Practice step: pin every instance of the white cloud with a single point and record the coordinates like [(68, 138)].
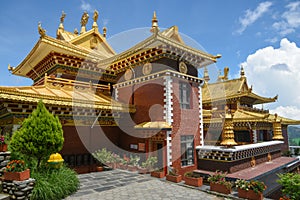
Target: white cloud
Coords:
[(290, 19), (251, 16), (274, 71), (86, 6), (287, 111)]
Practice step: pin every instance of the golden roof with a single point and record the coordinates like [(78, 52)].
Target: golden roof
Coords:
[(230, 89), (69, 43), (241, 115), (64, 92), (154, 125), (171, 38)]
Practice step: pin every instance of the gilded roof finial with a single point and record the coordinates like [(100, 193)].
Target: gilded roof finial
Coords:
[(242, 71), (61, 25), (84, 21), (154, 28), (104, 31), (62, 19), (206, 75), (42, 31), (95, 18), (75, 31)]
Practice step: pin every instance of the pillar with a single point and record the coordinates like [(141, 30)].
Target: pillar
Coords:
[(227, 133), (277, 132)]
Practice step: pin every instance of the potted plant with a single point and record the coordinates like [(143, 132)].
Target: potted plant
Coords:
[(16, 171), (218, 183), (133, 163), (103, 156), (250, 189), (193, 179), (174, 176), (148, 165), (158, 173), (3, 143)]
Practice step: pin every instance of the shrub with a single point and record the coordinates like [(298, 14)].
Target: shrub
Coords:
[(54, 184), (40, 135), (290, 185)]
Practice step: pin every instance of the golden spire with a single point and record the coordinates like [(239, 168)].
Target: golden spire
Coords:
[(154, 28), (206, 75), (61, 25), (62, 19), (95, 18), (42, 31), (104, 31), (242, 71), (227, 133), (84, 21), (277, 131)]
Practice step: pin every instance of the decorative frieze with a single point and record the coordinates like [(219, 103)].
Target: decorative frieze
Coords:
[(238, 152)]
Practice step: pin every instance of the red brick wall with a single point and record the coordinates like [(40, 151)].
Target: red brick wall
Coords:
[(185, 122), (145, 96)]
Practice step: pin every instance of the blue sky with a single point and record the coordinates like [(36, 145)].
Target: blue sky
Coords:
[(263, 35)]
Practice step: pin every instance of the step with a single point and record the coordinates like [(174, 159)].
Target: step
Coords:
[(4, 196)]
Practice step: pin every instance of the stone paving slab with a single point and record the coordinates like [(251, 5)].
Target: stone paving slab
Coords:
[(121, 184)]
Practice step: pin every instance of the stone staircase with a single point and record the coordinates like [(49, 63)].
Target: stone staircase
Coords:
[(4, 197)]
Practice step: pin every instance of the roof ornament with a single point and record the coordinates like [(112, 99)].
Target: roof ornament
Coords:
[(104, 31), (42, 31), (225, 76), (62, 19), (75, 31), (242, 71), (10, 68), (61, 25), (84, 21), (95, 18), (154, 28), (206, 75)]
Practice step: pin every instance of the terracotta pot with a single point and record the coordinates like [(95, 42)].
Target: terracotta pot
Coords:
[(197, 182), (100, 169), (242, 193), (142, 170), (17, 176), (132, 168), (3, 147), (219, 188), (175, 179), (158, 174), (123, 166), (254, 196), (250, 194), (112, 165)]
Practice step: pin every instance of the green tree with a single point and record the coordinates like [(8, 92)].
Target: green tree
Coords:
[(40, 135), (290, 185)]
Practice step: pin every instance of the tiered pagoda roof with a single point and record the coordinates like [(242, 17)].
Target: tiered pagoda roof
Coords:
[(237, 91)]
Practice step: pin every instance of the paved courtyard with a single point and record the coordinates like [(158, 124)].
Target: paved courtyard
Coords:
[(120, 184)]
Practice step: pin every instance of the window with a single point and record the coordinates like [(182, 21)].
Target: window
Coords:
[(187, 150), (184, 95)]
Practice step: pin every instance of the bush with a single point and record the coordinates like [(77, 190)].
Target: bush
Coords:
[(54, 184), (40, 135), (290, 185)]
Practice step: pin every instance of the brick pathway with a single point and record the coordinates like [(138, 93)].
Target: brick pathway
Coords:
[(120, 184)]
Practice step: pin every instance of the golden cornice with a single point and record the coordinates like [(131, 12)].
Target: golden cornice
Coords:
[(158, 75), (63, 92)]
